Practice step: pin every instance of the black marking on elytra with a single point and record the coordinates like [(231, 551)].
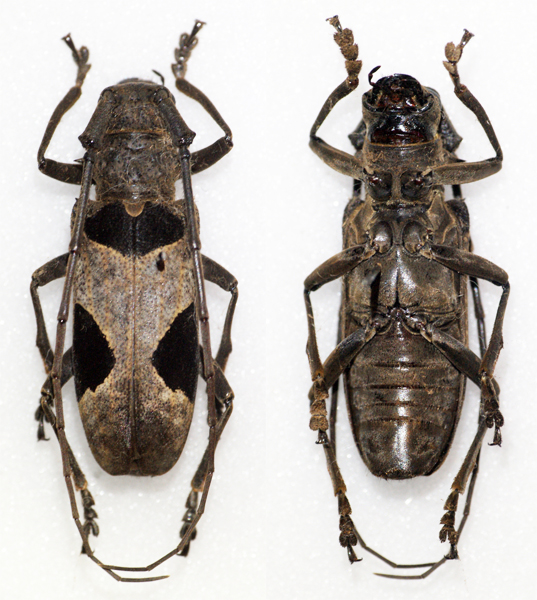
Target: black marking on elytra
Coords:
[(93, 358), (161, 261), (153, 228), (176, 358)]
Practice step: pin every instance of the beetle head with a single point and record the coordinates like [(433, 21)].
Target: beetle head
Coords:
[(401, 138), (399, 111)]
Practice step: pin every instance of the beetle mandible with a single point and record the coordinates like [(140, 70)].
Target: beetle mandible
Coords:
[(136, 275), (407, 258)]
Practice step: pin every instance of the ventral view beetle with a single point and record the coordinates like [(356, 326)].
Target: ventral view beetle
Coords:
[(407, 260), (135, 273)]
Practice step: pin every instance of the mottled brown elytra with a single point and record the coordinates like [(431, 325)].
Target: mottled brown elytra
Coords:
[(136, 275), (403, 336)]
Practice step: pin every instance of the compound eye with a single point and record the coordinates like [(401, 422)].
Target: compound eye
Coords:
[(379, 185), (415, 185)]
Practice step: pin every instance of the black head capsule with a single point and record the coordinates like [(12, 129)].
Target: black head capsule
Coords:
[(399, 111), (400, 138)]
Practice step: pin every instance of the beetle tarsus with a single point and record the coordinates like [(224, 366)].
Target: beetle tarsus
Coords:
[(453, 55), (81, 57), (192, 508), (345, 40), (41, 417), (90, 525), (187, 43), (348, 537), (352, 555)]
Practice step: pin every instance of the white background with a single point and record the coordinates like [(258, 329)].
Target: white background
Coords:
[(270, 212)]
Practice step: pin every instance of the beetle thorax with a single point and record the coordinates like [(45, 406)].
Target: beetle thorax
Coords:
[(136, 161)]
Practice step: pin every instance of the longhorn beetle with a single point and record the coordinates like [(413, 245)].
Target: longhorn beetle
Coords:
[(407, 258), (136, 274)]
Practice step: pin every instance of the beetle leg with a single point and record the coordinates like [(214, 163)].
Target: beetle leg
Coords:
[(90, 526), (344, 353), (334, 367), (223, 390), (479, 316), (54, 269), (467, 172), (337, 159), (332, 269), (187, 43), (202, 159), (475, 266), (206, 157), (467, 362), (224, 397), (216, 274), (46, 401), (68, 173), (324, 376), (224, 393)]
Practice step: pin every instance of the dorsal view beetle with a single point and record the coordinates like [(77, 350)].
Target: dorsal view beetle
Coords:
[(407, 259), (136, 276)]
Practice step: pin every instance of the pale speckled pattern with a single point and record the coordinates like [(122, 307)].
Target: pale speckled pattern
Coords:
[(134, 304)]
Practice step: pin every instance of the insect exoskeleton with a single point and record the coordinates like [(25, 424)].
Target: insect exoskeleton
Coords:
[(136, 276), (407, 259)]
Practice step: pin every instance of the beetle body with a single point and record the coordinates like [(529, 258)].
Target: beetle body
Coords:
[(405, 266), (134, 297), (403, 396), (135, 273)]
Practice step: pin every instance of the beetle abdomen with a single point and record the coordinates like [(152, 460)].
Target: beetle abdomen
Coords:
[(403, 400), (135, 320)]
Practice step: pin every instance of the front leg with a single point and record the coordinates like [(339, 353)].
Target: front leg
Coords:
[(337, 159), (458, 173), (68, 173), (202, 159)]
